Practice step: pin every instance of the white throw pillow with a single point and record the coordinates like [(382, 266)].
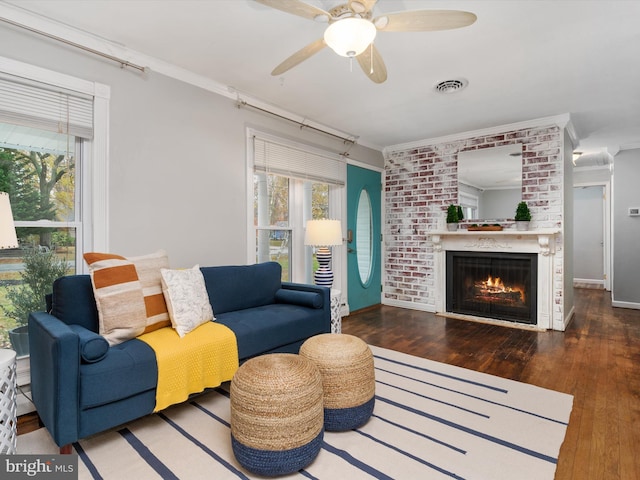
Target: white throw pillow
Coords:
[(187, 299)]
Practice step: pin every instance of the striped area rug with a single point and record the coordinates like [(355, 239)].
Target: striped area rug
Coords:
[(430, 421)]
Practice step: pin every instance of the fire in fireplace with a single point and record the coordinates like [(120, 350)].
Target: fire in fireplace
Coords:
[(494, 285)]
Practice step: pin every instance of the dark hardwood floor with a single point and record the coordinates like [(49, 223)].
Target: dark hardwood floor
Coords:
[(597, 360)]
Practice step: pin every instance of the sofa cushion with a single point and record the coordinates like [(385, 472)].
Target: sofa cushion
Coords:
[(72, 301), (186, 298), (128, 369), (297, 297), (93, 347), (232, 288), (261, 329), (121, 310)]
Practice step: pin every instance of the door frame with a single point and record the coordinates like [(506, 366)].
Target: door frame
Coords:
[(607, 227), (345, 293)]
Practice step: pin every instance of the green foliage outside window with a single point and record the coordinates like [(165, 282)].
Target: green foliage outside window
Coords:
[(41, 269), (41, 187)]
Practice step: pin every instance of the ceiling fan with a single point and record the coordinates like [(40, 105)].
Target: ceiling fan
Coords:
[(352, 29)]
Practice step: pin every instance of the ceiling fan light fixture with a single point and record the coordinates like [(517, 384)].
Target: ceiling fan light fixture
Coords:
[(349, 37), (358, 7)]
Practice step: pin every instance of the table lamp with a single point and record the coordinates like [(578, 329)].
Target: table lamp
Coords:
[(323, 234), (8, 237)]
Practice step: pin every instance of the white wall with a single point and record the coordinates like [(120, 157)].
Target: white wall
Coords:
[(177, 169), (626, 229)]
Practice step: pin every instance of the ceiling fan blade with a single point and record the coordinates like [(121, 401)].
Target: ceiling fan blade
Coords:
[(300, 56), (372, 64), (362, 6), (296, 7), (424, 20)]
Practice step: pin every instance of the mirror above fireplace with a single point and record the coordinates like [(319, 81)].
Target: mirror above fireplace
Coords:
[(490, 182)]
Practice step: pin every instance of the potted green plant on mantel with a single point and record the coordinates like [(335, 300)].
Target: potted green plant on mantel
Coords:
[(452, 218), (523, 216)]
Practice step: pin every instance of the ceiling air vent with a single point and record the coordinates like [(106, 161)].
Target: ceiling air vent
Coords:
[(451, 86)]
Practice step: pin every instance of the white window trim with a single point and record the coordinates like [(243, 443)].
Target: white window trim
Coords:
[(337, 208), (95, 172)]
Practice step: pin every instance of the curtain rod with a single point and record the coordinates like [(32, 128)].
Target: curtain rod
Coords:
[(243, 103), (123, 63)]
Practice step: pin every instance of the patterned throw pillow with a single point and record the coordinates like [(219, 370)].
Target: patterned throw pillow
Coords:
[(187, 299), (119, 299), (148, 268)]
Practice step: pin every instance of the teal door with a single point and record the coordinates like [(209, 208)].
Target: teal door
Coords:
[(363, 237)]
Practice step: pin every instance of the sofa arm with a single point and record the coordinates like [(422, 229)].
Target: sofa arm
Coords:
[(324, 292), (55, 361)]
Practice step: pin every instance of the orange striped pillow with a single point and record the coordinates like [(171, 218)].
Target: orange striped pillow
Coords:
[(119, 299), (148, 268)]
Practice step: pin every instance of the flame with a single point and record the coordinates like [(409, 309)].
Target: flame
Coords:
[(496, 285)]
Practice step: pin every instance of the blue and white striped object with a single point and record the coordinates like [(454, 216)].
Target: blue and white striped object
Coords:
[(431, 421)]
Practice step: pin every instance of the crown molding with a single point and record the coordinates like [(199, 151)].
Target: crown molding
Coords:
[(562, 121), (629, 146)]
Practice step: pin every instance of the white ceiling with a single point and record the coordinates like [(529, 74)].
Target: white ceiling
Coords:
[(523, 60)]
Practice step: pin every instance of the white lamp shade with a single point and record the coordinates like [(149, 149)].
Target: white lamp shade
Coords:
[(323, 233), (8, 237), (350, 36)]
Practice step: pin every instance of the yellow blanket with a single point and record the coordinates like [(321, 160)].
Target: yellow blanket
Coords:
[(203, 358)]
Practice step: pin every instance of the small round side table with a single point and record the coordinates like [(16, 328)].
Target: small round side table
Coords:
[(8, 408), (336, 315)]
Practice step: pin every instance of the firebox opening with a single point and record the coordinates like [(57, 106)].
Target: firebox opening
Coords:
[(494, 285)]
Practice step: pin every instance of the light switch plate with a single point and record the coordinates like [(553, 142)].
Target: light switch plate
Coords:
[(634, 211)]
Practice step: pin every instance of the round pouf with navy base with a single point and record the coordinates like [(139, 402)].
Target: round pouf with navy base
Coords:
[(348, 378), (277, 414)]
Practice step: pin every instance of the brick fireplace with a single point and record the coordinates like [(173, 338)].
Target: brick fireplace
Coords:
[(421, 181)]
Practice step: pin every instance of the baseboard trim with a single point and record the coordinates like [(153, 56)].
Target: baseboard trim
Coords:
[(633, 305), (410, 305), (588, 283)]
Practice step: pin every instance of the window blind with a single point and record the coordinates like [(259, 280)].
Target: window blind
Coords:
[(37, 105), (297, 162)]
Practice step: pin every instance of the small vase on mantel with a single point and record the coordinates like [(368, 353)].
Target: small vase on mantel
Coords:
[(522, 225), (452, 227)]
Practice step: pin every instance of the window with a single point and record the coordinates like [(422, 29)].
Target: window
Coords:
[(469, 204), (38, 171), (53, 153), (292, 183)]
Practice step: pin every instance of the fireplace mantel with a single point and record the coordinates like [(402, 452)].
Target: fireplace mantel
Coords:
[(503, 240), (541, 242)]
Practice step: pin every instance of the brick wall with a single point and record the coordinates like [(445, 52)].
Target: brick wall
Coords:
[(422, 181)]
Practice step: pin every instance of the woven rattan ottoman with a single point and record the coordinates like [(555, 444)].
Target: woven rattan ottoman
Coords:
[(276, 414), (348, 378)]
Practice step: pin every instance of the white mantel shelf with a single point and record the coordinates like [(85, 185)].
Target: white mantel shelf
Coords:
[(540, 241), (507, 231), (502, 240)]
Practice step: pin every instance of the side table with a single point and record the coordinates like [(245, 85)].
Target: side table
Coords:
[(336, 315), (8, 406)]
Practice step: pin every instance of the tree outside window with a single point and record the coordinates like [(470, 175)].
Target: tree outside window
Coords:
[(41, 185)]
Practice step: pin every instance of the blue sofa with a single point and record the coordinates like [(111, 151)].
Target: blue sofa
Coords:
[(80, 387)]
